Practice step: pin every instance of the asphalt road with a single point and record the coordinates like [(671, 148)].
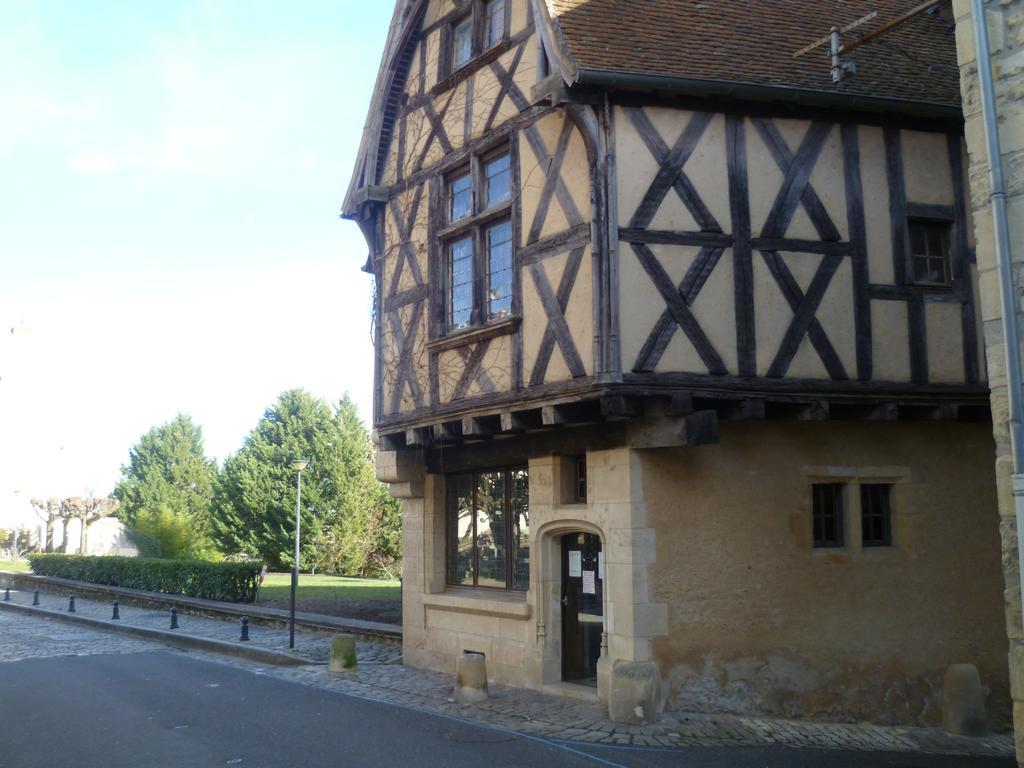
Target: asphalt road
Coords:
[(164, 710)]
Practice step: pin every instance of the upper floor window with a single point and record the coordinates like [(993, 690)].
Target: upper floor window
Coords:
[(462, 43), (485, 26), (929, 252), (478, 243), (495, 23), (489, 529)]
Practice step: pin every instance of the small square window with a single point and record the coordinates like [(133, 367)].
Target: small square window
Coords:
[(497, 179), (495, 20), (462, 43), (875, 515), (460, 197), (827, 514), (929, 252)]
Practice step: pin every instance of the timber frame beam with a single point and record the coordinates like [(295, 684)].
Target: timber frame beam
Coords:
[(667, 417)]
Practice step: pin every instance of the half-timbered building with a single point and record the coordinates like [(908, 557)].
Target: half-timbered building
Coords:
[(677, 351)]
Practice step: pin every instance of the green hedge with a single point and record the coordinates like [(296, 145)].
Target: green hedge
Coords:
[(235, 582)]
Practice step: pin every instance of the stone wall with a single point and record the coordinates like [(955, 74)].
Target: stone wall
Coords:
[(1005, 21), (776, 626)]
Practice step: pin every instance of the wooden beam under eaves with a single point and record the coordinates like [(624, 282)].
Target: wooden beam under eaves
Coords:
[(481, 426), (521, 421), (448, 432)]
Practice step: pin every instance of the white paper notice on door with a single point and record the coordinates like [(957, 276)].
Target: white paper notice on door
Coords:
[(588, 583), (575, 563)]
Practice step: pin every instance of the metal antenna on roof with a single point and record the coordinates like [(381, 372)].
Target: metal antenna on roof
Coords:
[(837, 47)]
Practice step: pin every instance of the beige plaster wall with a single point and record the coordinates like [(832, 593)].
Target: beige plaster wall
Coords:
[(777, 626), (928, 180), (462, 123)]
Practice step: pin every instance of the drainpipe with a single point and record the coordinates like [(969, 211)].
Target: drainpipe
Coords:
[(1003, 261)]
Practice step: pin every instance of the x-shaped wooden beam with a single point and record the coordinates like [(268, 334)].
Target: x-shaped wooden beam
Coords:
[(555, 306), (682, 184), (663, 331), (506, 83), (552, 179), (678, 308), (405, 341), (795, 187), (784, 159), (404, 223), (670, 174), (804, 322), (473, 370), (437, 131)]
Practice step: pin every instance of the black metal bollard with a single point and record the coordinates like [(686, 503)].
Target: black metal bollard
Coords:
[(174, 618), (117, 613), (245, 629), (35, 598), (7, 595), (71, 604)]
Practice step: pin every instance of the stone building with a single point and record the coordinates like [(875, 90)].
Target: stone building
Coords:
[(678, 360), (1004, 24)]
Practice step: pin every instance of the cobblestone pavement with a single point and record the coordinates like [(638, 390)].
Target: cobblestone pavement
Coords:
[(524, 711)]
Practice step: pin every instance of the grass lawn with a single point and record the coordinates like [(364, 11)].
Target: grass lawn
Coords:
[(19, 565), (277, 586)]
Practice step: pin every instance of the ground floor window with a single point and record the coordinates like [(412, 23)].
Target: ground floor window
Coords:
[(489, 529)]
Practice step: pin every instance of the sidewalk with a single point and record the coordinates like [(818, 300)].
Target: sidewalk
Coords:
[(368, 630), (381, 677), (310, 647)]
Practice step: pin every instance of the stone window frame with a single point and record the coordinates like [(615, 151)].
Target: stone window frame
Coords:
[(852, 478)]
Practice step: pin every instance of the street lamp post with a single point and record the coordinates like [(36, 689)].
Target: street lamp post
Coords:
[(298, 465)]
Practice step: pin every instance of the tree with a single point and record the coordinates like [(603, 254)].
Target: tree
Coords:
[(168, 486), (341, 498), (88, 509), (49, 511)]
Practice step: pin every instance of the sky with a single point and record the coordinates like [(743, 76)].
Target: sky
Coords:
[(170, 179)]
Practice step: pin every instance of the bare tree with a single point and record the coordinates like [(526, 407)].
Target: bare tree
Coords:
[(49, 511), (86, 509)]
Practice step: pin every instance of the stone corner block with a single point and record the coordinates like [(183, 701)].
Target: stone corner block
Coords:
[(470, 678), (343, 654), (634, 695), (963, 701)]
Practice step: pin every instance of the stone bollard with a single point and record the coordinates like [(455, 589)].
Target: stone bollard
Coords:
[(35, 597), (963, 701), (343, 654), (470, 678), (71, 604), (117, 613), (634, 695), (245, 629), (174, 617)]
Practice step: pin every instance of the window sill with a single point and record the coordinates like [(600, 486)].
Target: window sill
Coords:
[(474, 335), (471, 66), (507, 605)]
